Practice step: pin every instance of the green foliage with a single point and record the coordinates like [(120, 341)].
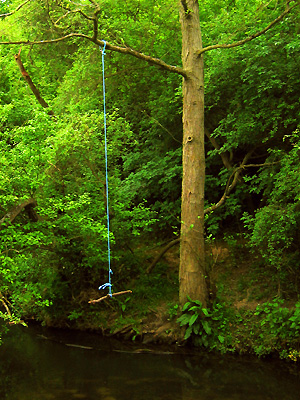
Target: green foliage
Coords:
[(123, 303), (53, 253), (75, 314), (156, 180), (279, 328), (270, 329), (208, 328), (10, 319), (273, 230), (254, 108), (173, 310)]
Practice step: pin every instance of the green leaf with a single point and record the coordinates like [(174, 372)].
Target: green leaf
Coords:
[(196, 329), (197, 302), (221, 338), (193, 319), (205, 312), (184, 319), (188, 332), (206, 327), (186, 306), (195, 308)]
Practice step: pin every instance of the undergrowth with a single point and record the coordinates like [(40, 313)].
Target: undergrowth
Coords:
[(268, 330)]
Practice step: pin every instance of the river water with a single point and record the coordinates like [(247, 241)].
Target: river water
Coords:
[(37, 364)]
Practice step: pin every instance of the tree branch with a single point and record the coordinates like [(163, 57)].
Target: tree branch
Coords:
[(225, 194), (69, 11), (240, 168), (223, 155), (234, 179), (2, 299), (15, 211), (94, 3), (251, 37), (95, 27), (163, 127), (32, 86), (17, 9), (123, 50), (230, 185), (159, 256)]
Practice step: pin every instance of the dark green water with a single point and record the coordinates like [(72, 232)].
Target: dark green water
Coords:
[(33, 367)]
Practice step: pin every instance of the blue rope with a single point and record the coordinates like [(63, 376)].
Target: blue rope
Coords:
[(109, 285)]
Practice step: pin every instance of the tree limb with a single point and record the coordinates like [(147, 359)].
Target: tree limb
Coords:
[(4, 304), (163, 127), (69, 11), (95, 24), (123, 50), (129, 51), (159, 256), (223, 155), (94, 3), (17, 9), (15, 211), (251, 37), (32, 86), (240, 168), (232, 181), (225, 194)]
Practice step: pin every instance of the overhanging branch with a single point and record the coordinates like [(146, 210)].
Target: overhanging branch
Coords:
[(17, 9), (251, 37), (123, 50)]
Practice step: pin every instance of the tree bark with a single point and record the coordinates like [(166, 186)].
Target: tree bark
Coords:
[(15, 211), (192, 255)]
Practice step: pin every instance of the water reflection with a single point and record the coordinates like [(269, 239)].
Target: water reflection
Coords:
[(36, 369)]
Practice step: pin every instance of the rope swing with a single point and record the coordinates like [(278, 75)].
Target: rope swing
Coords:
[(110, 272)]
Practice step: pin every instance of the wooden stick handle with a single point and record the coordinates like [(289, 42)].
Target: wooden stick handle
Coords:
[(108, 296)]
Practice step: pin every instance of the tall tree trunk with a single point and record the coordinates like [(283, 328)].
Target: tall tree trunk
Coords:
[(192, 256)]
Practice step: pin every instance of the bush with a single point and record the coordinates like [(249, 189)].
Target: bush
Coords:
[(208, 328)]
